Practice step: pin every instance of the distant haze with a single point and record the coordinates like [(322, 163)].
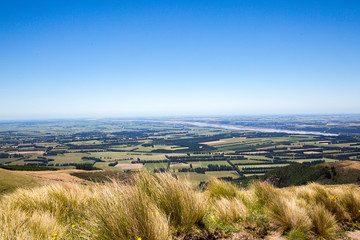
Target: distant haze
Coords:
[(62, 59)]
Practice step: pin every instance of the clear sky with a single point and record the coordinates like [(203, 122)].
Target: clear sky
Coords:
[(84, 58)]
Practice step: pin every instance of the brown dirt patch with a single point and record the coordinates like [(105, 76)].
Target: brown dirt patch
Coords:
[(311, 152), (243, 236), (303, 149), (55, 176), (213, 142), (130, 166), (275, 236), (354, 235), (258, 152), (346, 172), (29, 152), (346, 164), (232, 140)]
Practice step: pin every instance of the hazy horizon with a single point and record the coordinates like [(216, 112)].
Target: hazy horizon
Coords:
[(174, 117), (114, 59)]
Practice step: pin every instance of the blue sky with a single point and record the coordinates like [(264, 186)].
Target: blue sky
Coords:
[(155, 58)]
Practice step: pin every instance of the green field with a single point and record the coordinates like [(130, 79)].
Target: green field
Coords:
[(193, 178), (220, 174), (206, 164), (151, 166)]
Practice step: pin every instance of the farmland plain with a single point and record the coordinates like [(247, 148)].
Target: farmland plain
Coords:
[(192, 152)]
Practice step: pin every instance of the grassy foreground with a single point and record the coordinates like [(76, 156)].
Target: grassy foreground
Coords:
[(156, 208)]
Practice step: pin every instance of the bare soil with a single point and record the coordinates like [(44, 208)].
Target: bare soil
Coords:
[(130, 166), (213, 142), (56, 176), (257, 152), (348, 164), (29, 152), (354, 235)]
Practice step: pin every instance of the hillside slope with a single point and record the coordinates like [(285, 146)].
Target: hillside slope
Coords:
[(10, 180), (344, 172)]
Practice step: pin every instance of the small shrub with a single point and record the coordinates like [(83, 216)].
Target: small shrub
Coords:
[(28, 168), (297, 234), (86, 166), (256, 223)]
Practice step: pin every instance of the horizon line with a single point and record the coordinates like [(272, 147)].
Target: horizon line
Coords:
[(137, 117)]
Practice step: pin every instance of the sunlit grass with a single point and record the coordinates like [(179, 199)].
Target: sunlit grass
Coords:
[(162, 207)]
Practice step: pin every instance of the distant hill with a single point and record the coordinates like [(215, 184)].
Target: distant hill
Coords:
[(343, 172), (10, 180)]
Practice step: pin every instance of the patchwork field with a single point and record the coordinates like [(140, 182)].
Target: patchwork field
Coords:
[(195, 152)]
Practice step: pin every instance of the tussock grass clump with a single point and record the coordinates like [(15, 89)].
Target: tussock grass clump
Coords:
[(16, 224), (125, 212), (220, 189), (297, 234), (316, 194), (185, 207), (229, 210), (350, 200), (287, 215), (324, 223), (67, 202), (264, 193), (162, 207)]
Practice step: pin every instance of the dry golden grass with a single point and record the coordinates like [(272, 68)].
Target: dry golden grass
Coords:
[(17, 224), (264, 193), (162, 207), (349, 199), (55, 176), (229, 211), (125, 212), (287, 214), (185, 207), (221, 189), (324, 223), (67, 202), (316, 194)]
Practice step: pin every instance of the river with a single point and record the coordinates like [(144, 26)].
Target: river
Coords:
[(256, 129)]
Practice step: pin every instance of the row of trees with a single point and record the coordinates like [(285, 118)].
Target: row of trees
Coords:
[(210, 167)]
